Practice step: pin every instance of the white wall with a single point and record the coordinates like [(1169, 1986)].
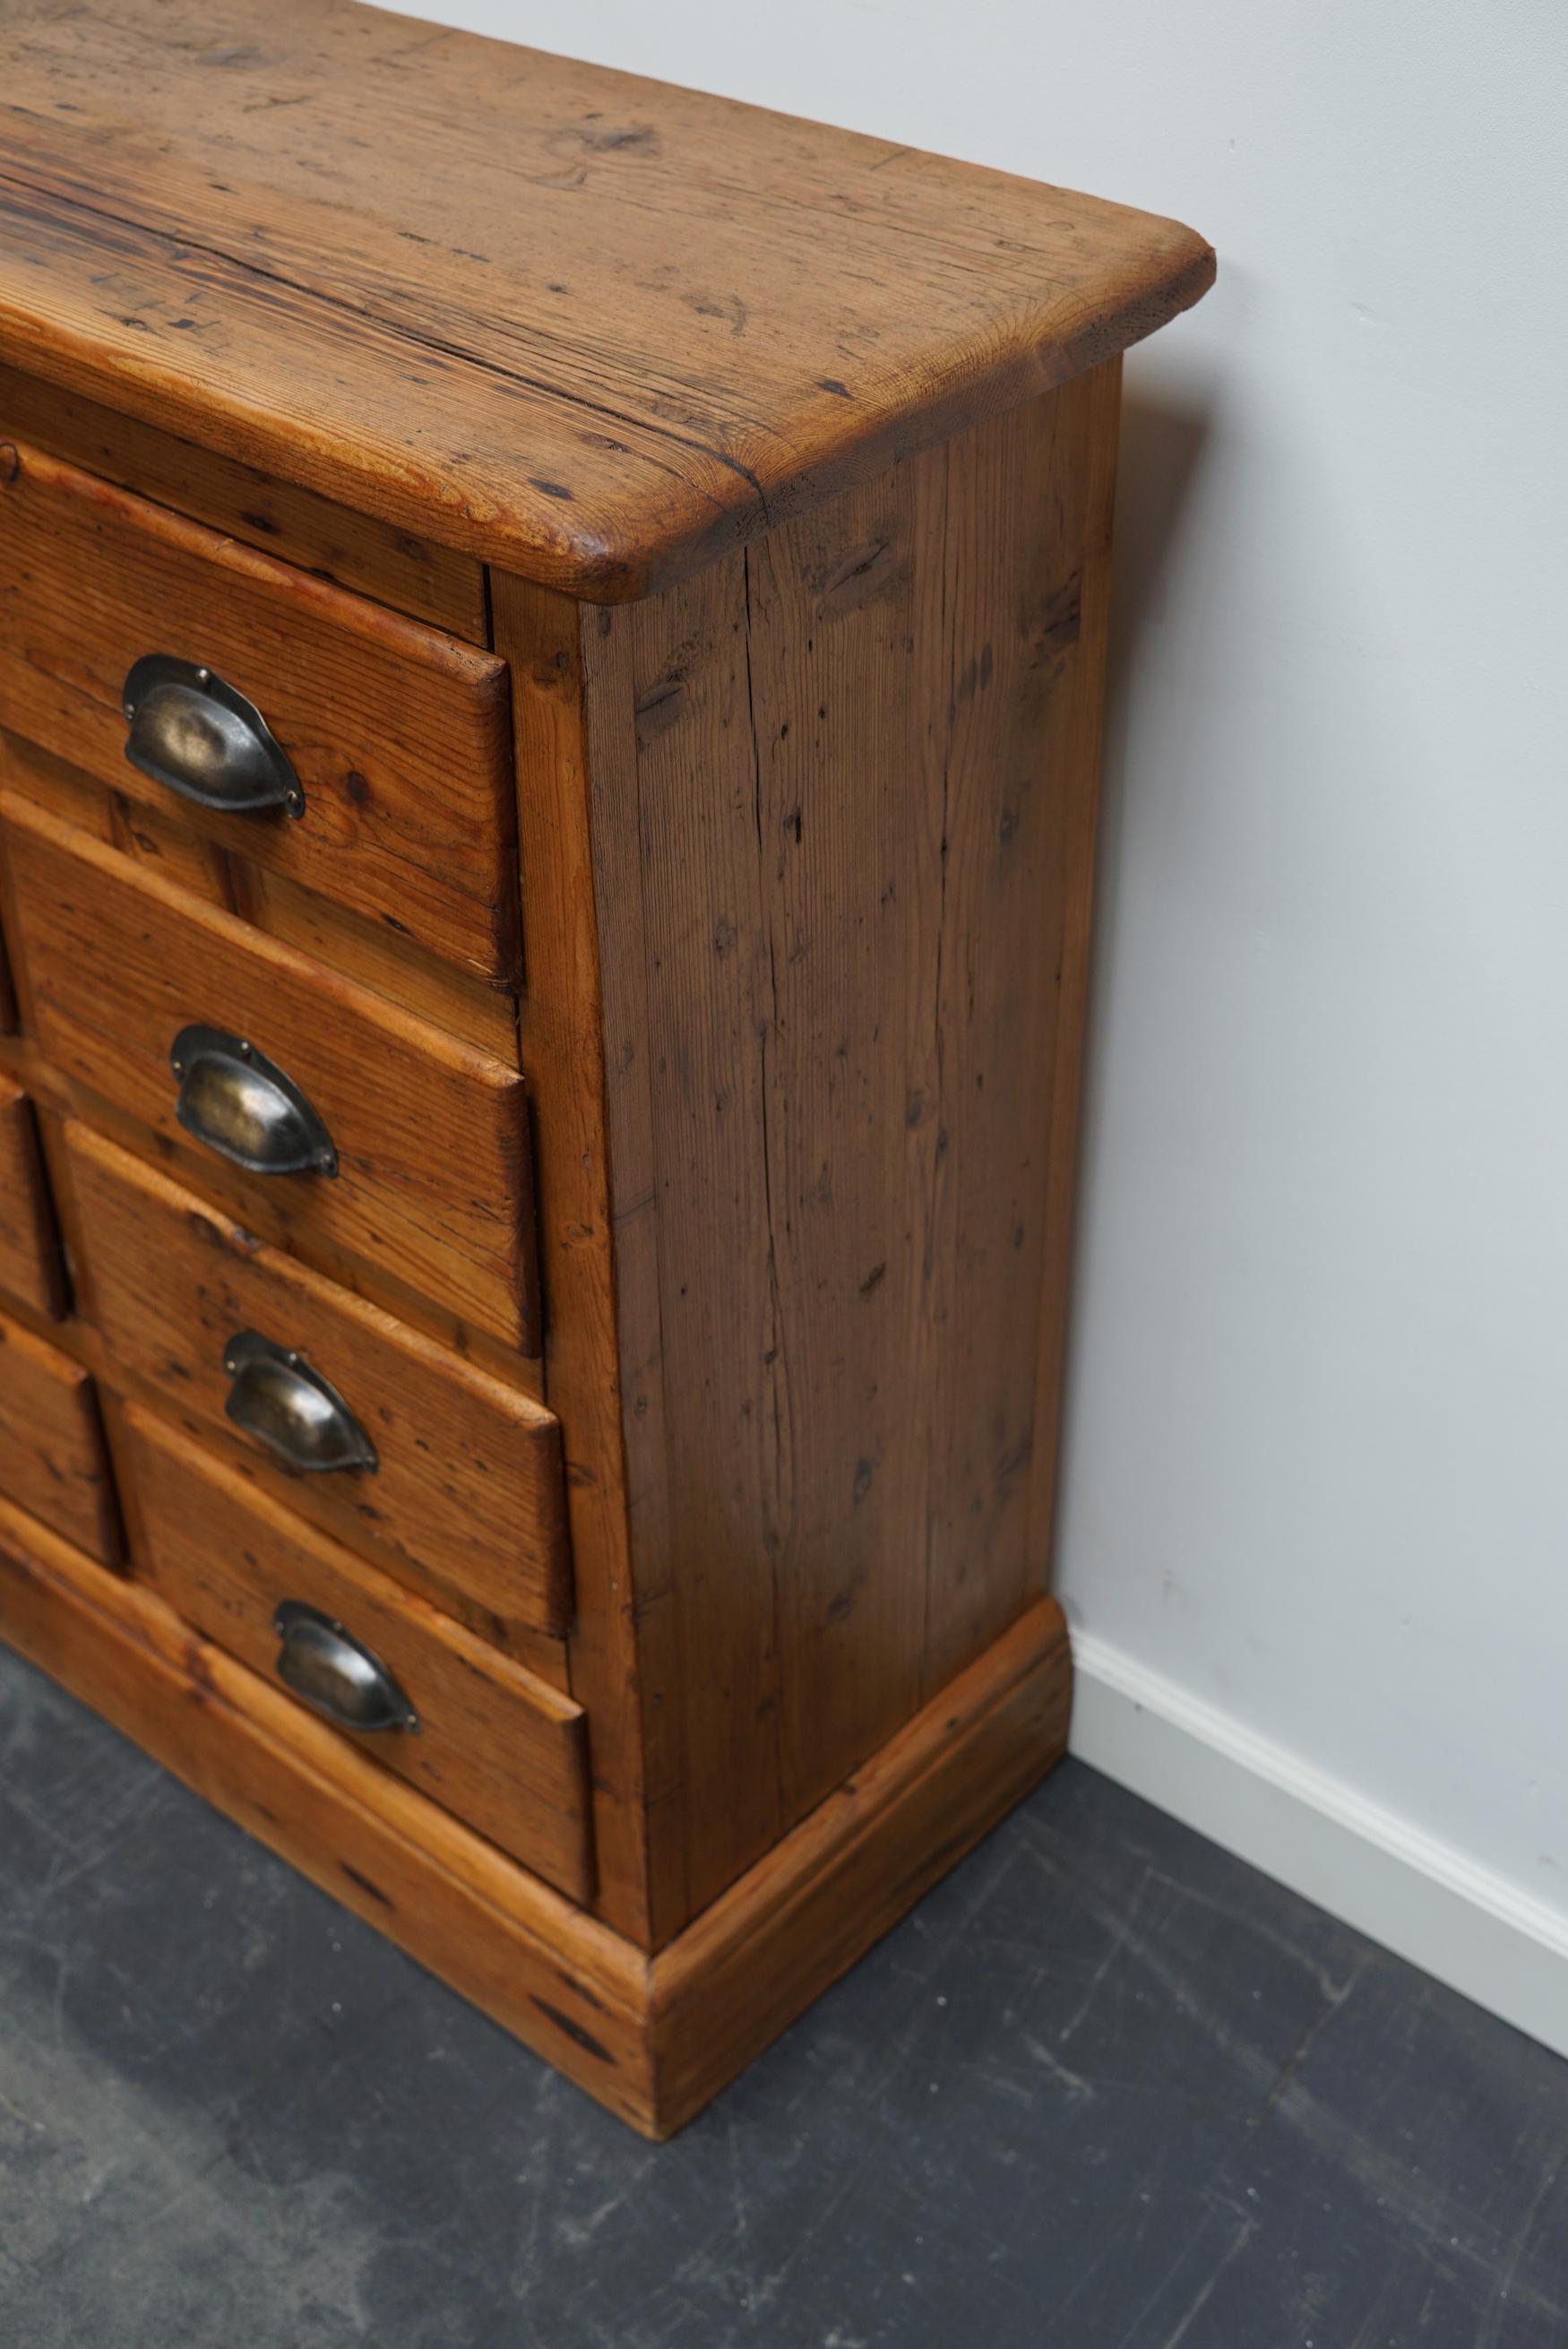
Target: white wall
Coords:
[(1317, 1489)]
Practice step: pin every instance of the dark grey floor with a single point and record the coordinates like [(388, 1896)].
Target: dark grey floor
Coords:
[(1108, 2089)]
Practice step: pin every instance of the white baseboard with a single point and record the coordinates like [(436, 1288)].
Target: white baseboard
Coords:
[(1474, 1930)]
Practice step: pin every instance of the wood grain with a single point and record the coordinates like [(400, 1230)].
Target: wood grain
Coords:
[(622, 1613), (51, 1443), (197, 849), (56, 1096), (30, 1265), (431, 1134), (652, 2043), (467, 1494), (548, 1972), (757, 1958), (7, 993), (115, 1382), (397, 734), (838, 782), (410, 575), (592, 328), (500, 1750)]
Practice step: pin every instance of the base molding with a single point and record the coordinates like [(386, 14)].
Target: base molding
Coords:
[(559, 1979), (653, 2040), (754, 1960), (1471, 1929)]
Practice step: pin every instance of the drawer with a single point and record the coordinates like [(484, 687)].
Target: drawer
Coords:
[(430, 1134), (398, 736), (502, 1749), (330, 542), (466, 1487), (29, 1254), (52, 1460)]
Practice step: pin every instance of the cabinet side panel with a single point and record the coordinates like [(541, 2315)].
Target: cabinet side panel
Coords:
[(858, 765), (682, 891)]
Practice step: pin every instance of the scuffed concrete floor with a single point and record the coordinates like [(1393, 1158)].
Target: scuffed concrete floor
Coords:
[(1108, 2089)]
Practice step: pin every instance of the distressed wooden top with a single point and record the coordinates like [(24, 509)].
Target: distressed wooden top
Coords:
[(588, 326)]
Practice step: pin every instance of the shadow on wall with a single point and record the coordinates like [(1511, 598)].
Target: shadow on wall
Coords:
[(1165, 442), (1163, 446)]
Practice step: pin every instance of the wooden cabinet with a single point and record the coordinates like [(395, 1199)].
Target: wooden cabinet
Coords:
[(549, 743)]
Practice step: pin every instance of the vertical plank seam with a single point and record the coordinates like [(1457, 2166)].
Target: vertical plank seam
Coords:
[(651, 1862), (523, 614), (779, 1363), (939, 1165), (605, 1126), (565, 1566)]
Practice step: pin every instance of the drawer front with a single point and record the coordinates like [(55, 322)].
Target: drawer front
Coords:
[(466, 1487), (501, 1749), (398, 735), (29, 1257), (429, 1135), (52, 1459), (373, 558)]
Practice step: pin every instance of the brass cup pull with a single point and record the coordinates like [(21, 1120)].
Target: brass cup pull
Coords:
[(196, 735), (277, 1396), (239, 1104), (330, 1670)]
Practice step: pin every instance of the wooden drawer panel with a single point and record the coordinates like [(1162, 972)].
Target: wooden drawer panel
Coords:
[(52, 1459), (502, 1749), (399, 735), (165, 841), (413, 575), (431, 1134), (30, 1256), (467, 1487)]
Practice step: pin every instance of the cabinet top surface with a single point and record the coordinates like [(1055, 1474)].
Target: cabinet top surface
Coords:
[(590, 327)]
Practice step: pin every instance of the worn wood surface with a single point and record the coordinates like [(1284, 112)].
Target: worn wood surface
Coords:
[(398, 733), (562, 1982), (197, 849), (747, 802), (434, 1179), (652, 2042), (116, 1382), (738, 1976), (467, 1494), (51, 1443), (619, 1638), (500, 1749), (592, 327), (353, 550), (30, 1265), (838, 782), (58, 1097)]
